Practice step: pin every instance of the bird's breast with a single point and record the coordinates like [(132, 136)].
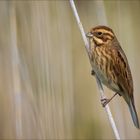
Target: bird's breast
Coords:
[(101, 65)]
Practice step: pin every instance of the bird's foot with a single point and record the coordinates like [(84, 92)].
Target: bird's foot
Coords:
[(92, 72), (104, 101)]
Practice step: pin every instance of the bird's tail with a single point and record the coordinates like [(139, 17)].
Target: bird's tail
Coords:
[(134, 114)]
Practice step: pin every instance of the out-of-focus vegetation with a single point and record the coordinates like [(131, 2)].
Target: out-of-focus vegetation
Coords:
[(46, 90)]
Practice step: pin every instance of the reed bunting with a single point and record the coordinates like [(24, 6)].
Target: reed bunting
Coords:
[(110, 65)]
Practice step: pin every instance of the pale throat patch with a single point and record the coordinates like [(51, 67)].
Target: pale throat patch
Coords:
[(98, 40)]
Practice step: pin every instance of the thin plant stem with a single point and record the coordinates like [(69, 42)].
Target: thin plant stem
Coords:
[(100, 87)]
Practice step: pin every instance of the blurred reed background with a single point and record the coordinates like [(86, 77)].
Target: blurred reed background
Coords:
[(46, 90)]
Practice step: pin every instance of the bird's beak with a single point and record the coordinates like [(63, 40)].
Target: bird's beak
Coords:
[(89, 35)]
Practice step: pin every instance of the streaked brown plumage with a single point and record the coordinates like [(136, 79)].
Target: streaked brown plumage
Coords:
[(110, 65)]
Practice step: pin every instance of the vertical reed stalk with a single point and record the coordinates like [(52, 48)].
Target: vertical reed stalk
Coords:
[(100, 87)]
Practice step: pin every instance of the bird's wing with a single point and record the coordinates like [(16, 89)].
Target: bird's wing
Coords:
[(120, 68)]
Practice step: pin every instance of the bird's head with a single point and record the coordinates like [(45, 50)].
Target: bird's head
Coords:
[(101, 35)]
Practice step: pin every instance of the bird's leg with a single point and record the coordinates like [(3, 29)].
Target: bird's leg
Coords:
[(92, 72), (105, 101)]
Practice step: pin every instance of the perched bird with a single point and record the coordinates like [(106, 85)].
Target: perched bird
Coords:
[(110, 65)]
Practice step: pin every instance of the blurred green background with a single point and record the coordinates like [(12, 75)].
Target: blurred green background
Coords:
[(46, 90)]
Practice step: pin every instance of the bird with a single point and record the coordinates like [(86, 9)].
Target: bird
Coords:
[(110, 65)]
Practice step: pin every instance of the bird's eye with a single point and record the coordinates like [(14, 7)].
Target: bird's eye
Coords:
[(99, 33)]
